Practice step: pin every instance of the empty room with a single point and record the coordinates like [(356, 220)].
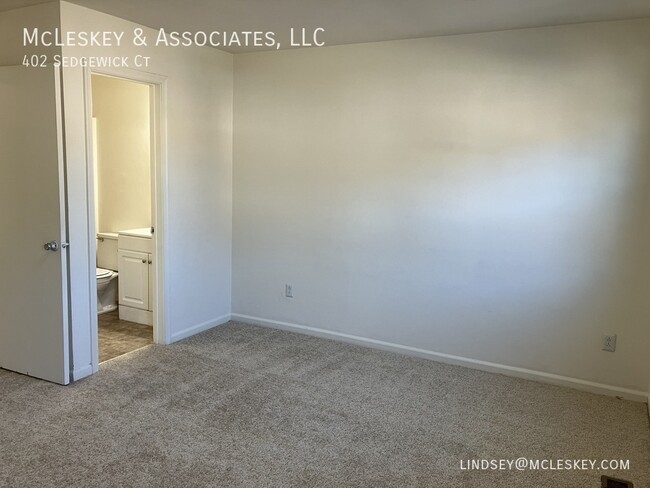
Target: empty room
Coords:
[(325, 243)]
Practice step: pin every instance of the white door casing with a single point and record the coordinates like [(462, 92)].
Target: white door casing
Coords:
[(34, 322), (158, 110)]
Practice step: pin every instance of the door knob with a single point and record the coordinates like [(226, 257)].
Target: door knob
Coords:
[(51, 246)]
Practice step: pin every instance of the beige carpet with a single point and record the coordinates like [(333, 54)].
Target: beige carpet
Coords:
[(251, 407)]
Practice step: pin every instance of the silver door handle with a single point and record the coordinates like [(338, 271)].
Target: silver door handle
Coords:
[(51, 246)]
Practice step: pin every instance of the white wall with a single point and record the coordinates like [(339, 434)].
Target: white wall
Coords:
[(123, 163), (483, 196), (199, 174), (12, 22)]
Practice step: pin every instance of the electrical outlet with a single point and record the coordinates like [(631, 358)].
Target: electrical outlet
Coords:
[(288, 290), (609, 343)]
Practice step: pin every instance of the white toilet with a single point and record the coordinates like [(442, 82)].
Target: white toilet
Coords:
[(106, 272)]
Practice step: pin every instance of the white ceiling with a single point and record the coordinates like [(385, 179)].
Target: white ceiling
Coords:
[(352, 21)]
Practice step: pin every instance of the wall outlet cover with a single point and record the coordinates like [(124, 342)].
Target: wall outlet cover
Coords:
[(607, 482), (609, 343)]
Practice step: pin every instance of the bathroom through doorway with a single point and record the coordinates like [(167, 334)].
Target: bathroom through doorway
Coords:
[(124, 147)]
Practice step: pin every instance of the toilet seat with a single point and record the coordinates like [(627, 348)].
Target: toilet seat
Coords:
[(103, 273)]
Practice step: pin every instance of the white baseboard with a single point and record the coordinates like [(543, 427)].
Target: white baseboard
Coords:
[(82, 372), (530, 374), (136, 315), (190, 331)]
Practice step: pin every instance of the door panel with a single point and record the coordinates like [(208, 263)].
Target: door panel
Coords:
[(133, 269), (33, 282)]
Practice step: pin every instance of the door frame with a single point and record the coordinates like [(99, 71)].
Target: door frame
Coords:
[(159, 187)]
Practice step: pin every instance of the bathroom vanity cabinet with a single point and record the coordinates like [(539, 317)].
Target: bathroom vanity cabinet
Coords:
[(135, 261)]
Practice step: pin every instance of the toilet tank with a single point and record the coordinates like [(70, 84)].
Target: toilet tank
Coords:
[(107, 250)]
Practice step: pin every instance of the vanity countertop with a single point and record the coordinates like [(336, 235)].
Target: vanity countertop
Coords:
[(144, 232)]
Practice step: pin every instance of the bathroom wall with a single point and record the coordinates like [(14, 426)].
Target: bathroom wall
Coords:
[(123, 166), (479, 198)]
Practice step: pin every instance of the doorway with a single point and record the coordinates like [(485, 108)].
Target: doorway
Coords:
[(124, 168)]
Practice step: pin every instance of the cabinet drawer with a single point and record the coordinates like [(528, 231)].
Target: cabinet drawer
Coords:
[(130, 243)]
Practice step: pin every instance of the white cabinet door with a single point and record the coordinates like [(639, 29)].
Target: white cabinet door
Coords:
[(33, 281), (133, 269)]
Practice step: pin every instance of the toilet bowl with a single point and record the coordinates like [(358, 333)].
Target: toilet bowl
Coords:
[(106, 290), (106, 276)]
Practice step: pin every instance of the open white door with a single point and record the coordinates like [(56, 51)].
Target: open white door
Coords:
[(33, 279)]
